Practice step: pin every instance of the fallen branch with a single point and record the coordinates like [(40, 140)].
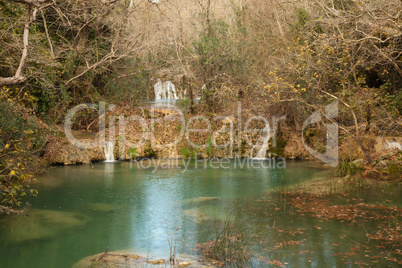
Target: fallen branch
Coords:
[(104, 254)]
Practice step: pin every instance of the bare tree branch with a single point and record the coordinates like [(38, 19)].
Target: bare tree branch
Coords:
[(109, 58), (47, 34), (5, 81), (355, 137), (25, 41), (18, 77)]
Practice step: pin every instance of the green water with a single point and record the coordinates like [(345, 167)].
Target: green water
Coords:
[(82, 210)]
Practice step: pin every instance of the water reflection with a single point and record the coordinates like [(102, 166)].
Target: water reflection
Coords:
[(121, 206), (109, 175)]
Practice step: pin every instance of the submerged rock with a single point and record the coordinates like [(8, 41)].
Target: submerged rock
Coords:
[(40, 224), (101, 207), (201, 200), (195, 215)]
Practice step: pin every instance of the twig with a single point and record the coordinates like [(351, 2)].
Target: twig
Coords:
[(47, 34), (104, 254)]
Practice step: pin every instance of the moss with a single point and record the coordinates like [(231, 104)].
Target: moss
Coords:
[(346, 168), (149, 152), (185, 152), (133, 152)]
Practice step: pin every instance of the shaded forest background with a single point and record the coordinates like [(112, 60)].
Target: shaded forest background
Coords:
[(276, 57)]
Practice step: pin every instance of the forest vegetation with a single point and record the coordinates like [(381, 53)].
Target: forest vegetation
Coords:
[(275, 57)]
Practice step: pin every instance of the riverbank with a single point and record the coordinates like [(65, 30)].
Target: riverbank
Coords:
[(168, 133), (173, 133)]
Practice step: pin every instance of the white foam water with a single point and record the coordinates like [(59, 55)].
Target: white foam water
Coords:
[(262, 152), (165, 91), (109, 148)]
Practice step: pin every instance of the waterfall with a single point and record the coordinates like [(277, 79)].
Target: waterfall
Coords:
[(159, 92), (165, 90), (266, 135), (171, 90), (109, 148), (393, 144)]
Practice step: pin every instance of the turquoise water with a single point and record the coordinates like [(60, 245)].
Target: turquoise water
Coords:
[(82, 210)]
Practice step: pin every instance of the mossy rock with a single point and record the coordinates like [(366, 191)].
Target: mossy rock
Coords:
[(196, 215), (199, 200), (127, 258), (101, 207), (39, 224)]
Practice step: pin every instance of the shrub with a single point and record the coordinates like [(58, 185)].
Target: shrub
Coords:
[(132, 152), (21, 138), (149, 152), (185, 152), (231, 246), (346, 168)]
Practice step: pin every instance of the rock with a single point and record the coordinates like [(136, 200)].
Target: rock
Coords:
[(101, 207), (120, 259), (112, 259), (387, 143), (381, 164), (199, 200), (161, 261), (320, 186), (359, 162), (195, 215), (184, 264), (294, 148), (373, 174), (39, 224), (349, 149), (60, 151)]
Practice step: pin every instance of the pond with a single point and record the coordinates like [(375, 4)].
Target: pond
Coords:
[(82, 210)]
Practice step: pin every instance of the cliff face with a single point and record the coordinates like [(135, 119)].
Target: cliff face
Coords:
[(166, 133), (61, 151)]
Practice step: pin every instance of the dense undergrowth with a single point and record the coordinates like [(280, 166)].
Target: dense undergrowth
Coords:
[(22, 141)]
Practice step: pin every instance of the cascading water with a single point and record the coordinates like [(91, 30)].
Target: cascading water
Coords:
[(109, 147), (171, 90), (165, 90), (266, 135), (393, 144), (159, 92)]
